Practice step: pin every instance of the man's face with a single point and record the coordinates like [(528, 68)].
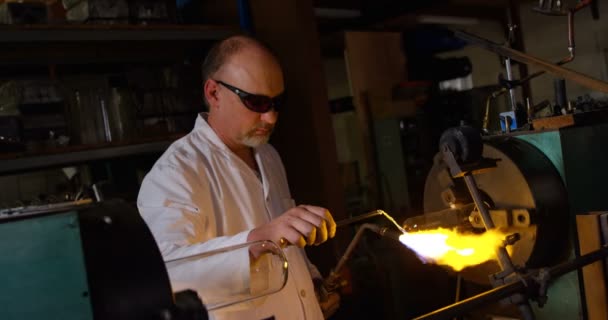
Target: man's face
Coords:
[(255, 72)]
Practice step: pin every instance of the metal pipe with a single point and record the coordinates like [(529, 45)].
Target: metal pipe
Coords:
[(351, 247), (509, 289), (471, 303), (570, 35), (549, 67), (561, 98), (386, 232), (458, 287), (502, 255), (571, 44), (512, 99), (359, 218), (486, 117), (97, 192), (571, 48), (331, 281)]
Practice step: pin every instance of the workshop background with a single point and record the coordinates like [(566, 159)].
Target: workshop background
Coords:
[(93, 91)]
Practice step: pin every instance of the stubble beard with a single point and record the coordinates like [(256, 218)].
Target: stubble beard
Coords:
[(253, 140)]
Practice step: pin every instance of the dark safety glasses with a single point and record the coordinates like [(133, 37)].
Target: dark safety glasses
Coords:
[(255, 102)]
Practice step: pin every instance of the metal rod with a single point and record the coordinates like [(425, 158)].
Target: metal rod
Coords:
[(353, 244), (334, 275), (571, 48), (561, 97), (97, 192), (512, 99), (549, 67), (511, 27), (509, 289), (471, 303), (458, 287), (501, 252), (504, 260), (571, 44), (503, 257), (345, 222)]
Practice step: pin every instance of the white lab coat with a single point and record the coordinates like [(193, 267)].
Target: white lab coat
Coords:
[(200, 196)]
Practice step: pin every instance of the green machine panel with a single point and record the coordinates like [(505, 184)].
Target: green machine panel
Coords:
[(44, 275), (580, 156)]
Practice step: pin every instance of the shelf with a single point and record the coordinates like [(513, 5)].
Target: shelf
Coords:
[(111, 32), (19, 162)]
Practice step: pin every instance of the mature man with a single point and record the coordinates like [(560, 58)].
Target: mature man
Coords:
[(222, 184)]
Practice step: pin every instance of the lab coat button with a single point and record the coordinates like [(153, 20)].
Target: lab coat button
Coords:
[(303, 293)]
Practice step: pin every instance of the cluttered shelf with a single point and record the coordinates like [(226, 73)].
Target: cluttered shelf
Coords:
[(112, 32), (62, 156), (91, 77), (30, 49)]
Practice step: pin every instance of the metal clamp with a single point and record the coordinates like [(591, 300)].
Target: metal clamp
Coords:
[(509, 271)]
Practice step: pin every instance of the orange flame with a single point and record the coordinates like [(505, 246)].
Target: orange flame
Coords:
[(457, 250)]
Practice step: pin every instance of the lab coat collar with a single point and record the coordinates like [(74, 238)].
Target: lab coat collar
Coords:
[(202, 127), (204, 130)]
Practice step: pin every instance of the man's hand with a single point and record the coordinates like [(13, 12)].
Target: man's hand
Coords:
[(299, 226)]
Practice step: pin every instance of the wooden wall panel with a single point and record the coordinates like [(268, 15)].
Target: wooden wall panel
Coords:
[(375, 64)]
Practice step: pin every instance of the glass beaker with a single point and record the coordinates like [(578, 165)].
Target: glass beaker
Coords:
[(231, 275)]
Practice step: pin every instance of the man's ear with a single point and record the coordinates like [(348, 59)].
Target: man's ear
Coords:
[(210, 91)]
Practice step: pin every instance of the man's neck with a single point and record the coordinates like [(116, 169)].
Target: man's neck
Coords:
[(246, 154)]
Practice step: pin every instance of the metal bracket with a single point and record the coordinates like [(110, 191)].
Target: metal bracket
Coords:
[(503, 218), (460, 170), (509, 272)]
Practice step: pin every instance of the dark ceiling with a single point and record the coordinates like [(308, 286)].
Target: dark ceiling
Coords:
[(383, 14), (335, 16)]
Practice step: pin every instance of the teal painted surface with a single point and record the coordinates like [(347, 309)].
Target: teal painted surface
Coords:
[(550, 144), (564, 301), (580, 155), (586, 163), (564, 298), (43, 272)]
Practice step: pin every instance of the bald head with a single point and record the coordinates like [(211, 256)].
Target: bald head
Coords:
[(235, 69), (224, 51)]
